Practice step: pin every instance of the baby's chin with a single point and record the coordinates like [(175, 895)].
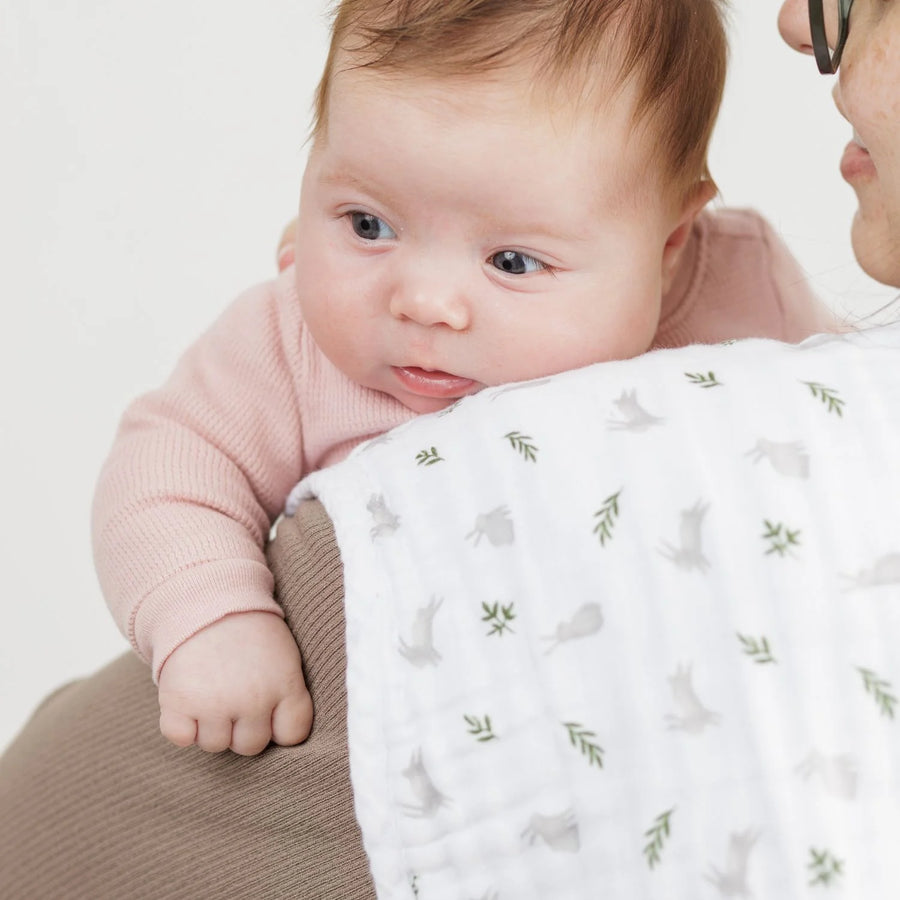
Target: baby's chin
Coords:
[(424, 405)]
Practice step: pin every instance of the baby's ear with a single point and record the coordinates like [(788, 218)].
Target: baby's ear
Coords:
[(696, 199)]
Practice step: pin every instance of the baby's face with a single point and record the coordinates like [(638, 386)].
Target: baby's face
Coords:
[(455, 234)]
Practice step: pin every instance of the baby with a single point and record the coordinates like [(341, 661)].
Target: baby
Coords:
[(495, 191)]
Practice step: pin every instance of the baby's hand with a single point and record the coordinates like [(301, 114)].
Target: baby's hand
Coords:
[(236, 684)]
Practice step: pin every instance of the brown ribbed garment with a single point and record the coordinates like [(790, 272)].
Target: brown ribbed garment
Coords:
[(96, 805)]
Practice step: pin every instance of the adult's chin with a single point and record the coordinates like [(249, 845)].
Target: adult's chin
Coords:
[(876, 241)]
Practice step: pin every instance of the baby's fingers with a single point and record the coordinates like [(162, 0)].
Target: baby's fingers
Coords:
[(292, 719), (180, 729), (251, 735), (214, 734)]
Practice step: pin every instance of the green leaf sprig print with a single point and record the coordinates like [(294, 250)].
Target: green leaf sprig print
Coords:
[(880, 690), (828, 396), (606, 518), (657, 833), (428, 457), (523, 444), (499, 616), (707, 380), (781, 538), (581, 737), (481, 729), (825, 867), (757, 649)]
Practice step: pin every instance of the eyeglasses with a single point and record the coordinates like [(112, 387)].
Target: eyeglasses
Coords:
[(827, 59)]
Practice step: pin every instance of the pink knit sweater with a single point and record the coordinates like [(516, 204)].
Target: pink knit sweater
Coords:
[(201, 467)]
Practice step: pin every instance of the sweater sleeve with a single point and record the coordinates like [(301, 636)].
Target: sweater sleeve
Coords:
[(197, 472)]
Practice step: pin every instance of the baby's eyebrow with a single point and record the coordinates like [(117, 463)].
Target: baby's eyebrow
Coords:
[(514, 223), (523, 225), (342, 178)]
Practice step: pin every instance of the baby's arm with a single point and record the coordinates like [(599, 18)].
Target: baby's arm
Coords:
[(197, 473)]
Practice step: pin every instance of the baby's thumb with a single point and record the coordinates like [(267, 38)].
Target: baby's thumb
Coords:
[(292, 718)]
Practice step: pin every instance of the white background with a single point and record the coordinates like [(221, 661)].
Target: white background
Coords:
[(149, 156)]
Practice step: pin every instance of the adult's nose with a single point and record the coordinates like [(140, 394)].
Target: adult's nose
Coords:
[(431, 299), (793, 24)]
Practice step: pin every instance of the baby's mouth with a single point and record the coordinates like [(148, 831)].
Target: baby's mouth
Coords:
[(433, 382)]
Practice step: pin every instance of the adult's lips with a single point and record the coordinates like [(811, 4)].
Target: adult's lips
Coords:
[(856, 163)]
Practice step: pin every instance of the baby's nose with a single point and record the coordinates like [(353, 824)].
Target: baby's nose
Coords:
[(431, 303)]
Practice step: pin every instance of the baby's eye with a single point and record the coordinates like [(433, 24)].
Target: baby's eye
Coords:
[(370, 227), (516, 263)]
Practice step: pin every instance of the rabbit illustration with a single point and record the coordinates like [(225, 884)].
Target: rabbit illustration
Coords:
[(634, 416), (428, 798), (690, 554), (692, 716), (885, 570), (496, 526), (839, 774), (788, 459), (559, 832), (587, 620), (385, 521), (733, 881), (420, 651)]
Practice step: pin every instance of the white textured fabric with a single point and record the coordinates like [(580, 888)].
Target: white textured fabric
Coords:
[(633, 631)]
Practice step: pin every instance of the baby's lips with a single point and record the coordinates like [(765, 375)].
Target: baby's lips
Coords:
[(433, 383)]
